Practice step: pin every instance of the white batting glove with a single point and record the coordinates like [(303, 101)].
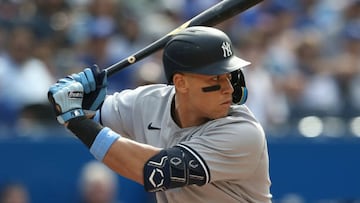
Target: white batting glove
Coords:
[(66, 96)]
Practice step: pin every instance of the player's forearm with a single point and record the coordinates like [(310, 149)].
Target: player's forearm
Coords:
[(123, 155), (128, 158)]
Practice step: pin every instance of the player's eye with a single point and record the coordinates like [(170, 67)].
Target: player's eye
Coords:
[(216, 78)]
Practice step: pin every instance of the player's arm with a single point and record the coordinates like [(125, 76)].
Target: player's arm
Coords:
[(123, 155), (126, 157), (157, 169)]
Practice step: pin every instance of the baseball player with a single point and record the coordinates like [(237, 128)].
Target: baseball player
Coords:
[(192, 140)]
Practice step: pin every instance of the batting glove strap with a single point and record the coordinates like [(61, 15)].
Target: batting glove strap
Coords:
[(63, 118)]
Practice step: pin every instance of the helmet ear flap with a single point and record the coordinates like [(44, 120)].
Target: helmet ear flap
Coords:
[(240, 93), (244, 95)]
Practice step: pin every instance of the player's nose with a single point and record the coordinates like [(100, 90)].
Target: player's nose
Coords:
[(226, 86)]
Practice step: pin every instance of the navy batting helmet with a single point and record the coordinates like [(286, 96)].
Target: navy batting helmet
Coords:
[(207, 51)]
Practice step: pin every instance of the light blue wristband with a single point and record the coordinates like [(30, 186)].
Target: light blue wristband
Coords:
[(103, 142)]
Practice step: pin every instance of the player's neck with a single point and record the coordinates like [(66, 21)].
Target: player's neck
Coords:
[(182, 116)]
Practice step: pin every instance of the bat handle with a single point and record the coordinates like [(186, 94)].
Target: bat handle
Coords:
[(111, 70)]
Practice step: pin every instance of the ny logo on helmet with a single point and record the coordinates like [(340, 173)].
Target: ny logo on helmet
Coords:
[(226, 49)]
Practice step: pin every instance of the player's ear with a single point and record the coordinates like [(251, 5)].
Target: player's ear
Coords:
[(180, 82)]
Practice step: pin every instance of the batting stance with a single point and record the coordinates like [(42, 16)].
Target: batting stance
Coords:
[(192, 140)]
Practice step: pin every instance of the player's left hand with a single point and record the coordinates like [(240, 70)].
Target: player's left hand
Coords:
[(94, 82), (66, 96)]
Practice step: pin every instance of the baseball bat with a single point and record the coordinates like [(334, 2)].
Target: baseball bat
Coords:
[(210, 17)]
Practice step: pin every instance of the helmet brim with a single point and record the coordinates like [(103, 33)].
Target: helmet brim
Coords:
[(229, 65)]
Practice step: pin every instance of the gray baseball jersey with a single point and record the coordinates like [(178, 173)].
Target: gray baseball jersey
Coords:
[(234, 147)]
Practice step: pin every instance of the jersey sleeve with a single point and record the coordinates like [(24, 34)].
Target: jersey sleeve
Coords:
[(129, 112), (231, 151), (116, 111)]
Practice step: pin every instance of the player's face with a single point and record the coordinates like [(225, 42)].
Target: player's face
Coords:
[(209, 96)]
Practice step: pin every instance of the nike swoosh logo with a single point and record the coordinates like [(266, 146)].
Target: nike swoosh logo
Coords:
[(150, 127)]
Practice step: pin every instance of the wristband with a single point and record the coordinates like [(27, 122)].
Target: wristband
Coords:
[(85, 129), (103, 142)]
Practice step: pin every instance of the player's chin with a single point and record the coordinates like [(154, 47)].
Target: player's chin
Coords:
[(221, 113)]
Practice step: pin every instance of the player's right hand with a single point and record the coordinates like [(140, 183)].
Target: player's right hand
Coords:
[(94, 82), (66, 96)]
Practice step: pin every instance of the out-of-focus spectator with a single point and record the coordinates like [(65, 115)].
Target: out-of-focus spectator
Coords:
[(37, 121), (109, 35), (100, 31), (24, 79), (98, 184), (14, 193), (268, 104), (280, 41), (347, 70), (319, 82), (51, 21), (3, 33), (346, 64)]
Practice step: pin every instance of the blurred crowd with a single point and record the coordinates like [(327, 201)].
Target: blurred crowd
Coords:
[(305, 54)]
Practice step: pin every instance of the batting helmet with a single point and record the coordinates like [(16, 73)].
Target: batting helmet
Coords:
[(207, 51)]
